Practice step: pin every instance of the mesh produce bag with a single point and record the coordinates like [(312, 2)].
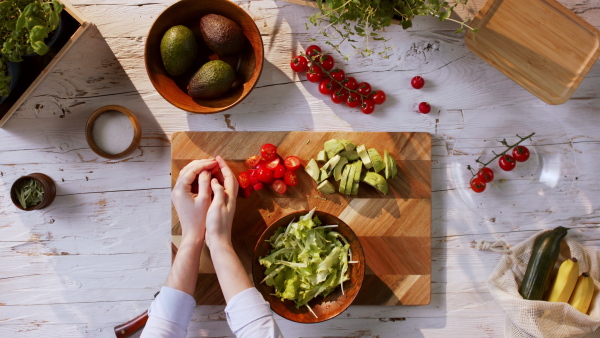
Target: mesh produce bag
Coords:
[(527, 318)]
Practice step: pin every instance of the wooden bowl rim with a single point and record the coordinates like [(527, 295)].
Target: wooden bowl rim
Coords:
[(137, 132), (46, 182)]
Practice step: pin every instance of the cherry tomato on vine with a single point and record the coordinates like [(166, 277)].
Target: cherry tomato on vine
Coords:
[(424, 107), (326, 62), (244, 179), (253, 160), (290, 178), (507, 162), (326, 87), (314, 74), (268, 151), (367, 106), (417, 82), (299, 64), (486, 174), (292, 162), (353, 100), (477, 184), (313, 50), (520, 153), (378, 97), (338, 74), (350, 83), (364, 88), (279, 171), (339, 96), (279, 186)]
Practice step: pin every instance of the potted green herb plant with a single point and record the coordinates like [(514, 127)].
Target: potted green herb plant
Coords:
[(25, 25), (9, 75)]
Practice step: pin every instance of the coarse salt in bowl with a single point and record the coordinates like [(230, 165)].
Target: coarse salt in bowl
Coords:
[(113, 132)]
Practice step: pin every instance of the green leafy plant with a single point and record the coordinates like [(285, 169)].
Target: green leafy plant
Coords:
[(4, 79), (24, 24), (30, 193), (358, 21)]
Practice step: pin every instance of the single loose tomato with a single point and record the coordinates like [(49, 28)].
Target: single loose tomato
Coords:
[(279, 171), (265, 175), (253, 161), (367, 106), (350, 83), (279, 186), (268, 151), (378, 97), (244, 179), (258, 186), (338, 74), (326, 61), (290, 178), (247, 192), (486, 174), (477, 184), (273, 163), (299, 64), (313, 50), (424, 107), (292, 162), (353, 100), (315, 74), (507, 162), (326, 87), (417, 82), (520, 153), (364, 89), (339, 96)]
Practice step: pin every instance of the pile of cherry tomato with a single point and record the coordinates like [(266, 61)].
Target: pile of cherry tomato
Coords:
[(506, 163), (269, 169), (332, 81)]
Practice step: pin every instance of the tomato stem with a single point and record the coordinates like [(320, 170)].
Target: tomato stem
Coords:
[(508, 147)]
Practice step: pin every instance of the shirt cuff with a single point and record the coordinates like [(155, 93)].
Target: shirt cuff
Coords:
[(174, 306), (245, 308)]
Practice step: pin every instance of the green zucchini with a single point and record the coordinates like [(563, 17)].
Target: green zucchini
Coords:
[(543, 257)]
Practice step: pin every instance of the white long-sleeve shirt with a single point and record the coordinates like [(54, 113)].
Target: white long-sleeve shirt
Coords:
[(248, 315)]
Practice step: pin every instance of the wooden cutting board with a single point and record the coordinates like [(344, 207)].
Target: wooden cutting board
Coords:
[(394, 229), (539, 44)]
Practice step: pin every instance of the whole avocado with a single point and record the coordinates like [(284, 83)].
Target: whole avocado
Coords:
[(222, 35), (212, 80), (178, 49)]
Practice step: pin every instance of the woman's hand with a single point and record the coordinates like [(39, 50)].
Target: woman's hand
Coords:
[(192, 208), (220, 213)]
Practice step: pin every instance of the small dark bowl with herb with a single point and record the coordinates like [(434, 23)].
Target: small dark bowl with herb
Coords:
[(32, 192)]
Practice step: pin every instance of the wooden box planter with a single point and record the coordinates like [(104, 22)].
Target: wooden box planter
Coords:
[(34, 68)]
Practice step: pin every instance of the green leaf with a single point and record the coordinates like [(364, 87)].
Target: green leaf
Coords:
[(444, 15)]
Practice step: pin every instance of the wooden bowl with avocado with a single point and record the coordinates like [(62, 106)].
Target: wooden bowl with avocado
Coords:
[(204, 56)]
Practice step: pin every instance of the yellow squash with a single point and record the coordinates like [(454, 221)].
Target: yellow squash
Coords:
[(565, 281), (582, 295)]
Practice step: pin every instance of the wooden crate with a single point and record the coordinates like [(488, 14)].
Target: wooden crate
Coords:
[(32, 80)]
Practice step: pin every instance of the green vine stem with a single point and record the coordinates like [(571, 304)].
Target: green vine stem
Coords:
[(508, 147)]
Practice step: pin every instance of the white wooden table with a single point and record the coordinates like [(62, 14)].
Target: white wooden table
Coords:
[(97, 255)]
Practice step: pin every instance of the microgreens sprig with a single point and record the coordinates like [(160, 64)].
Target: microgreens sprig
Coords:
[(508, 148)]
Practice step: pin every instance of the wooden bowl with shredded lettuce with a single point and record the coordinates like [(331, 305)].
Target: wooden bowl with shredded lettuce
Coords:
[(309, 265)]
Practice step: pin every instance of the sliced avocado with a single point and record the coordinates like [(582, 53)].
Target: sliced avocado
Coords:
[(364, 156), (394, 167), (326, 187), (348, 145), (344, 180), (350, 181), (337, 171), (351, 155), (331, 164), (390, 165), (358, 167), (376, 160), (312, 168), (376, 181), (322, 156), (332, 147), (323, 175)]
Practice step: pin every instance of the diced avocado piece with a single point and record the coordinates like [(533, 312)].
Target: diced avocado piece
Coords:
[(326, 187), (348, 145), (332, 147), (358, 165), (344, 180), (350, 181), (376, 160), (337, 171), (322, 156), (331, 164), (351, 155), (312, 169), (364, 156), (376, 181), (323, 175)]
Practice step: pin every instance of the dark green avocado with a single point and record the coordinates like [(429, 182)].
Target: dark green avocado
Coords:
[(222, 35), (178, 49), (212, 80)]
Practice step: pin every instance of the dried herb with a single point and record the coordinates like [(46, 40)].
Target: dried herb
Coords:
[(30, 193)]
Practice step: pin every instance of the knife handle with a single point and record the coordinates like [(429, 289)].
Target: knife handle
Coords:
[(127, 329)]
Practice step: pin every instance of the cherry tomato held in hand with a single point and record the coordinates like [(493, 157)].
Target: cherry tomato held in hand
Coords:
[(299, 64), (417, 82), (265, 175), (279, 186), (367, 106), (338, 74), (315, 74), (326, 62), (279, 171), (477, 184), (253, 161), (486, 174), (520, 153), (292, 162), (339, 96), (378, 97), (244, 179), (424, 107), (290, 178), (353, 100), (268, 152), (313, 50), (326, 87), (507, 162), (350, 83), (364, 88)]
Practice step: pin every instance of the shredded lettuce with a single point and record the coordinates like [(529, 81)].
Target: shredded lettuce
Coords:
[(307, 259)]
